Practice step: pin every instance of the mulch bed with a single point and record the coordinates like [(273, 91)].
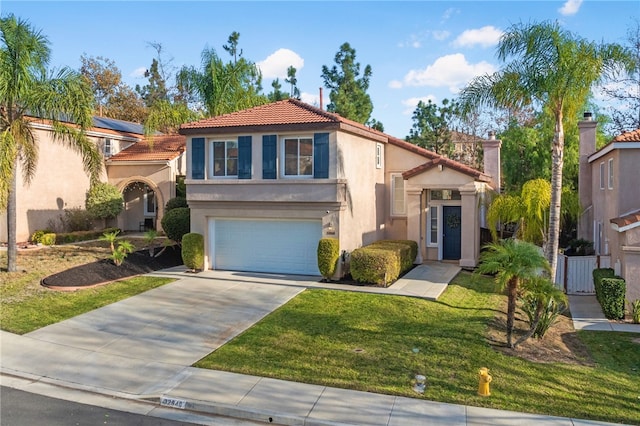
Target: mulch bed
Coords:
[(103, 271)]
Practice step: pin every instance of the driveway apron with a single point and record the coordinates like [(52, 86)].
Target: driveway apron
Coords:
[(141, 344)]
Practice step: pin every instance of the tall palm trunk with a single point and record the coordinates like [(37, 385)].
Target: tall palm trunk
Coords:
[(512, 296), (12, 244), (557, 161)]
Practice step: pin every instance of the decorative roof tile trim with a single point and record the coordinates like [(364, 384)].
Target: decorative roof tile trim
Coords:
[(158, 148), (626, 222), (631, 136)]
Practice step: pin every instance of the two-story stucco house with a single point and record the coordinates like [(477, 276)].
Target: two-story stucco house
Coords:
[(265, 184), (609, 187), (144, 170)]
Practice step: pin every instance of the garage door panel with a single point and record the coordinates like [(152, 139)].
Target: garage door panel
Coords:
[(266, 245)]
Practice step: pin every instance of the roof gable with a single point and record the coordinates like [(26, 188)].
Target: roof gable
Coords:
[(158, 148)]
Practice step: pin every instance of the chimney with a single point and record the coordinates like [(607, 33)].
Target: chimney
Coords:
[(321, 98), (587, 129), (491, 149)]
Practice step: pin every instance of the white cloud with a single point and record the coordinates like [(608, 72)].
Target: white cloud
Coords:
[(440, 35), (411, 103), (138, 72), (486, 37), (314, 99), (452, 71), (570, 7), (276, 64)]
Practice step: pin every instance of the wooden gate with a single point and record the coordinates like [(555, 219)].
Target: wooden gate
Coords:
[(575, 273)]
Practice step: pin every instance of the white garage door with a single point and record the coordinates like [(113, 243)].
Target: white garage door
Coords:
[(280, 246)]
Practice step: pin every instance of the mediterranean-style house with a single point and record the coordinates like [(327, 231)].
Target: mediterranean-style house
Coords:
[(264, 185), (609, 189), (144, 169)]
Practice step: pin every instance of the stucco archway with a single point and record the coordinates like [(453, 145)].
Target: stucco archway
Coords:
[(126, 219)]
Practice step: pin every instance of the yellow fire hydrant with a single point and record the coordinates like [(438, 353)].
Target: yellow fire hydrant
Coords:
[(485, 379)]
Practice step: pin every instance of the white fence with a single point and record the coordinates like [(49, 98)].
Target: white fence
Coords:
[(574, 273)]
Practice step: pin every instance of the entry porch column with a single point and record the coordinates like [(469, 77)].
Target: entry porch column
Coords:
[(414, 220), (470, 249)]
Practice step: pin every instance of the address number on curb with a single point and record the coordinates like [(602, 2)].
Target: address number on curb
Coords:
[(173, 402)]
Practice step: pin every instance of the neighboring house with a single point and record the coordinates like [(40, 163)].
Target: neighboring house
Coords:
[(145, 175), (609, 189), (265, 184)]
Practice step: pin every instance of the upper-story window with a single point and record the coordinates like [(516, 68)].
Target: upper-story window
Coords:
[(611, 173), (224, 159), (298, 156), (108, 148), (602, 175), (378, 155)]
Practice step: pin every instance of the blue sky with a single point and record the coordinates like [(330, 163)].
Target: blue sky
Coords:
[(418, 50)]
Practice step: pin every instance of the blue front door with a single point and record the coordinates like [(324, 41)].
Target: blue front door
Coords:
[(451, 232)]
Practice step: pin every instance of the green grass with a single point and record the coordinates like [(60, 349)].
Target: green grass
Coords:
[(21, 313), (366, 342)]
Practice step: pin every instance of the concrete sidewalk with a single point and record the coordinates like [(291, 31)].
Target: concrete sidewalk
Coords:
[(139, 351), (587, 314)]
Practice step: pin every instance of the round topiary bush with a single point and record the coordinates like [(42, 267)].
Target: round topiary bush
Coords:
[(193, 251), (176, 202), (176, 223)]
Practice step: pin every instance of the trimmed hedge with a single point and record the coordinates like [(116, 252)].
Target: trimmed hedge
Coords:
[(72, 237), (193, 251), (328, 254), (407, 251), (598, 275), (375, 266), (176, 223), (48, 239), (612, 297), (176, 202)]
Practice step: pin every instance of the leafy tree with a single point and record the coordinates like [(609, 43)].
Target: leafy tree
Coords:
[(115, 99), (176, 223), (292, 80), (167, 117), (26, 86), (513, 262), (277, 94), (104, 201), (375, 124), (625, 88), (552, 68), (432, 126), (222, 87), (156, 89), (524, 156), (348, 94), (232, 47)]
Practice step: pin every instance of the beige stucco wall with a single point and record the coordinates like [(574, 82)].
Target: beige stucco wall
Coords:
[(59, 183)]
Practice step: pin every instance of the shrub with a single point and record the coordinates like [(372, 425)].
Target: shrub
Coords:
[(48, 239), (104, 201), (175, 203), (375, 266), (635, 311), (121, 251), (407, 251), (193, 251), (176, 223), (72, 237), (612, 298), (598, 275), (76, 219), (37, 236), (548, 317), (328, 254)]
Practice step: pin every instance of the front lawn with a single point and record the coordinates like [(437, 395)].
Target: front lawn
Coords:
[(378, 343)]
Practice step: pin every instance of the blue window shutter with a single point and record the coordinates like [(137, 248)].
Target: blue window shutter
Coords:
[(269, 156), (321, 155), (244, 157), (197, 158)]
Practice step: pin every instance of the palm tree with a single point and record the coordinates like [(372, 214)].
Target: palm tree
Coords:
[(512, 262), (553, 69), (27, 88)]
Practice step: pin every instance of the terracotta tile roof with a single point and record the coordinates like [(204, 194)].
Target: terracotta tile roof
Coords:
[(631, 136), (626, 220), (292, 114), (159, 148)]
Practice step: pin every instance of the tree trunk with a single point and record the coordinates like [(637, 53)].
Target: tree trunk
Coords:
[(533, 326), (12, 244), (512, 296), (557, 161)]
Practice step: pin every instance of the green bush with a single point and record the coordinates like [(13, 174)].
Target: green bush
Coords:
[(72, 237), (104, 201), (174, 203), (193, 251), (612, 297), (375, 266), (176, 223), (407, 251), (328, 254), (598, 275), (48, 239), (37, 236), (76, 219)]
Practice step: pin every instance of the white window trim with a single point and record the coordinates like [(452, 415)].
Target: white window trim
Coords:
[(378, 155), (403, 213), (212, 174), (610, 180), (283, 158), (145, 200), (602, 175), (437, 208)]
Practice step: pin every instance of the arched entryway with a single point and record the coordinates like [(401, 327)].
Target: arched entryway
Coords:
[(143, 205)]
